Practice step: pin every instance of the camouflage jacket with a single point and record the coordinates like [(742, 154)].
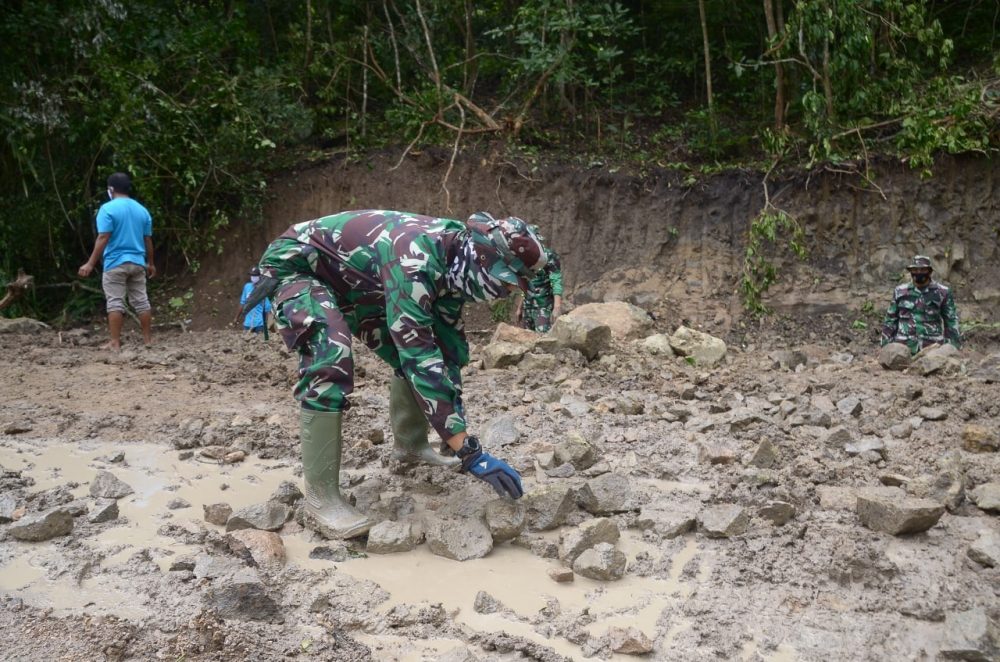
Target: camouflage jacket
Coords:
[(919, 317), (547, 283), (387, 272)]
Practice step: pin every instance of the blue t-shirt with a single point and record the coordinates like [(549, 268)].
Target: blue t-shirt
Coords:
[(255, 317), (129, 223)]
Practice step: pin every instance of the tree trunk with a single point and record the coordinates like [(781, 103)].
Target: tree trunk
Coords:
[(708, 68), (773, 29)]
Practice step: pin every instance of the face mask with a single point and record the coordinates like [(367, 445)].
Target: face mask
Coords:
[(254, 279), (921, 279)]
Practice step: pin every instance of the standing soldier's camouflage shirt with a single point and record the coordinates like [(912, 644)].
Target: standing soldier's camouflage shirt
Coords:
[(540, 296), (918, 317), (394, 280)]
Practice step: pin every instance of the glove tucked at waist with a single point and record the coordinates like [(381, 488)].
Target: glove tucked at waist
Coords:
[(265, 287)]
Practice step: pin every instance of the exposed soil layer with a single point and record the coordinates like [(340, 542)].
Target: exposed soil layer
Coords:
[(152, 584)]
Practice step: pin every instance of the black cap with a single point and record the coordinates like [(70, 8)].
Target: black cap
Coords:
[(120, 182), (255, 270)]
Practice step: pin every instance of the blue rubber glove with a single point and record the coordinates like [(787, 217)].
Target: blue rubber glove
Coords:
[(500, 475)]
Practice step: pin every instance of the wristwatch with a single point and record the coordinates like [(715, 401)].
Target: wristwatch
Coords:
[(470, 446)]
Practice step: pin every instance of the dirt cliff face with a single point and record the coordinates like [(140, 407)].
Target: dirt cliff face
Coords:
[(665, 240)]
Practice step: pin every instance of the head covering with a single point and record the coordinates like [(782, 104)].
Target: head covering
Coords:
[(508, 250), (120, 182), (255, 270), (920, 262)]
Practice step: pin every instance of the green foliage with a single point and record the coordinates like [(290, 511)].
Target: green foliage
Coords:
[(759, 273), (859, 325), (500, 310)]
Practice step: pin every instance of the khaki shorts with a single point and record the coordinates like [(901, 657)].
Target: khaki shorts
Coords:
[(130, 279)]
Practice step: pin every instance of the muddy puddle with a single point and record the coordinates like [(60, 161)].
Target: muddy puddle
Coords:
[(38, 574)]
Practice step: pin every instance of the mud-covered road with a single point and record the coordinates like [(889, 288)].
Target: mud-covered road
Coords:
[(732, 491)]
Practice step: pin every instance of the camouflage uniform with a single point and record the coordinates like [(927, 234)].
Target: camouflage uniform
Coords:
[(539, 298), (918, 317), (397, 281)]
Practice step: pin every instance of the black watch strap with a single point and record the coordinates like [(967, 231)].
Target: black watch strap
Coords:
[(469, 447)]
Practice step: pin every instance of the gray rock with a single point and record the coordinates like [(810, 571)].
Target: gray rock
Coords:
[(338, 552), (777, 512), (933, 359), (932, 413), (268, 516), (902, 430), (657, 345), (459, 654), (788, 359), (894, 356), (986, 549), (670, 520), (486, 603), (629, 641), (242, 597), (970, 635), (889, 513), (42, 526), (210, 567), (980, 439), (459, 539), (177, 503), (707, 351), (946, 488), (587, 336), (182, 564), (766, 455), (108, 486), (8, 504), (265, 548), (287, 492), (547, 507), (565, 470), (389, 537), (602, 562), (500, 431), (988, 369), (505, 519), (533, 362), (576, 450), (561, 575), (503, 354), (838, 437), (866, 444), (22, 325), (574, 542), (105, 510), (217, 513), (987, 496), (608, 493), (850, 406), (723, 521)]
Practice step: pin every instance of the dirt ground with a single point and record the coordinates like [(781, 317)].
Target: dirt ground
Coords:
[(150, 584)]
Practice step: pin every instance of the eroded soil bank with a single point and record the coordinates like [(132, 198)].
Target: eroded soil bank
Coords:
[(800, 581)]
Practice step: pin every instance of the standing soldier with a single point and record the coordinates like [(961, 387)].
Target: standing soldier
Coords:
[(540, 305), (396, 281), (921, 313)]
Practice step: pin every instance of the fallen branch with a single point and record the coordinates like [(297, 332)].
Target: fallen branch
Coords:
[(17, 288)]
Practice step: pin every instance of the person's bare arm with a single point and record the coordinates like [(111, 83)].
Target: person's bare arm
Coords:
[(150, 267), (100, 243)]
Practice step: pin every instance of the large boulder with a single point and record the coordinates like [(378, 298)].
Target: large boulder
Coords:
[(897, 515), (723, 521), (576, 451), (505, 519), (266, 548), (603, 562), (503, 355), (108, 486), (576, 541), (389, 537), (267, 516), (608, 493), (706, 350), (515, 335), (459, 539), (894, 356), (987, 496), (585, 335), (933, 359), (657, 344), (625, 320), (242, 597), (22, 325), (970, 635), (980, 439), (547, 507), (42, 526), (988, 369)]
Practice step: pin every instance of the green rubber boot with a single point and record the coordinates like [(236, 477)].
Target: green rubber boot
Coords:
[(327, 512), (409, 427)]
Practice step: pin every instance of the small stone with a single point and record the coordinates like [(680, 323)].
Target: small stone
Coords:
[(723, 521), (602, 562), (547, 507), (670, 520), (576, 450), (850, 406), (486, 603), (576, 541), (788, 359), (897, 515), (707, 351), (629, 641), (587, 336), (389, 537), (42, 526), (505, 519), (217, 513), (177, 503), (561, 575), (894, 356), (945, 488), (269, 516), (242, 597), (546, 459), (266, 548), (970, 635), (232, 457), (500, 431), (986, 549), (987, 496), (608, 493), (182, 564), (105, 510), (287, 493), (980, 439), (8, 504), (107, 486), (338, 553), (376, 436), (459, 539), (932, 413), (837, 437), (867, 444), (777, 512), (766, 455), (565, 470), (185, 455), (716, 454), (657, 345), (902, 430), (499, 355)]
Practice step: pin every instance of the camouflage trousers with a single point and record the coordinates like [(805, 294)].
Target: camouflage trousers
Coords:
[(538, 315)]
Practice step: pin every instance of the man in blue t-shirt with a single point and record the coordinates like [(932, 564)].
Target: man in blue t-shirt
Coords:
[(257, 317), (125, 244)]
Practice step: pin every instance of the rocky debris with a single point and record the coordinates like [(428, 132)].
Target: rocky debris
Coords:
[(586, 336), (182, 564), (500, 431), (766, 455), (22, 325), (502, 355), (788, 359), (932, 413), (777, 512), (566, 470), (264, 547), (505, 519), (895, 513), (242, 597), (389, 537), (8, 506), (657, 344), (723, 521), (459, 654), (547, 507), (838, 437), (608, 493), (707, 351), (933, 359), (574, 542), (108, 486), (603, 562), (901, 430), (945, 488), (42, 526), (988, 369), (625, 320), (629, 641), (267, 516), (485, 603), (669, 519), (338, 552), (177, 503), (980, 439), (850, 406), (987, 497), (561, 575), (515, 335), (217, 513), (287, 493), (576, 450), (459, 539), (17, 428), (894, 356), (970, 635), (207, 566), (866, 445), (986, 549), (537, 363), (105, 510)]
